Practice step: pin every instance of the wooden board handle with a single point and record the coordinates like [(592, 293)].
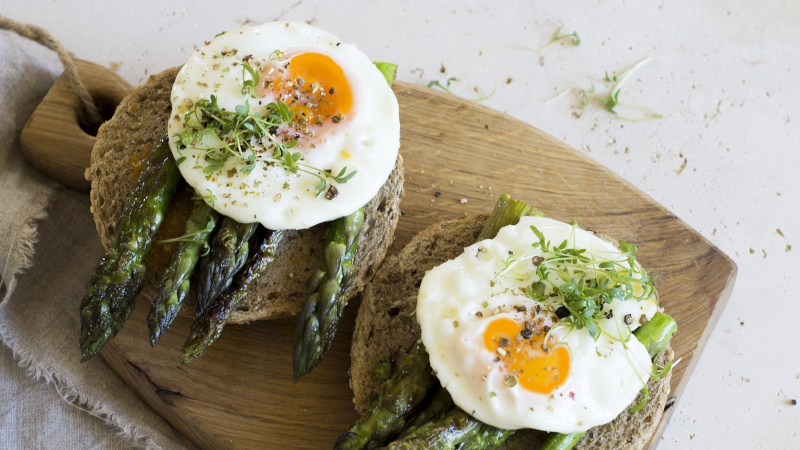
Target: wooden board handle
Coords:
[(53, 140)]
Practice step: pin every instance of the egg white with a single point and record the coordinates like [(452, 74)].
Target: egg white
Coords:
[(605, 375), (367, 142)]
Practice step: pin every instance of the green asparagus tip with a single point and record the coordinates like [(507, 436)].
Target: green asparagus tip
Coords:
[(87, 354), (507, 211), (91, 345), (303, 362), (154, 335), (656, 334), (191, 351), (388, 70), (297, 374), (301, 369)]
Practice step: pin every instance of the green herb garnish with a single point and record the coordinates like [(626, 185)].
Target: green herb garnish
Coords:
[(210, 198), (190, 237), (611, 101), (277, 55), (247, 135), (656, 375), (581, 283), (446, 88), (249, 86), (557, 36)]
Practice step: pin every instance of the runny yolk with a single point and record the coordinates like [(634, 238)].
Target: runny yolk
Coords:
[(536, 367), (314, 87)]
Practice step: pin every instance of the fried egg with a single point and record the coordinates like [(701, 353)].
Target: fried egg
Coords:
[(345, 120), (510, 361)]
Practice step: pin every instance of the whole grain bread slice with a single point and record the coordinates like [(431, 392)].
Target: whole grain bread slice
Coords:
[(123, 144), (385, 329)]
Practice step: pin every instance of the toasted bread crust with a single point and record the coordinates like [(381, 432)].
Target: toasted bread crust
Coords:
[(124, 142), (385, 330)]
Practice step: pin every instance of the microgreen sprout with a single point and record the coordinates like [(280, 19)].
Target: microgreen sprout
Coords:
[(446, 88), (564, 275), (638, 407), (488, 96), (210, 198), (247, 135), (249, 86), (579, 282), (656, 374), (632, 112), (558, 36), (277, 54), (190, 237)]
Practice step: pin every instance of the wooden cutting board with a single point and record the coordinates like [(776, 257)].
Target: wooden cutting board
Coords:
[(459, 157)]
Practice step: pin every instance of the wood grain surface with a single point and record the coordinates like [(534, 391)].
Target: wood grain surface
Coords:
[(459, 157), (54, 140)]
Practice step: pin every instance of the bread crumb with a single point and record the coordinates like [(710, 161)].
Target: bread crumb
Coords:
[(463, 201)]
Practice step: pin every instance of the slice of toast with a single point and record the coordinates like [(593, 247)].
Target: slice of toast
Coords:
[(123, 144), (385, 329)]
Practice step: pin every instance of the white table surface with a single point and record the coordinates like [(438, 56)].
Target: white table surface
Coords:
[(724, 157)]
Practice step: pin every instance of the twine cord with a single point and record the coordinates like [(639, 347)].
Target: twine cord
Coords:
[(76, 85)]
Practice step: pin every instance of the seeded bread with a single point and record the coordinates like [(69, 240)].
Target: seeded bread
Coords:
[(385, 329), (124, 142)]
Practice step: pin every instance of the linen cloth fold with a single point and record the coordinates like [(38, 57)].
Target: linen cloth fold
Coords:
[(48, 250)]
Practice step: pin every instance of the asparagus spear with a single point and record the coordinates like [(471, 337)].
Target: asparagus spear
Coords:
[(229, 251), (507, 211), (117, 279), (323, 309), (175, 284), (561, 441), (487, 437), (207, 327), (445, 433), (441, 404), (656, 333), (387, 413)]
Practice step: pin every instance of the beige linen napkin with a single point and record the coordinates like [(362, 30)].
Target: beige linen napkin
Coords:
[(48, 249)]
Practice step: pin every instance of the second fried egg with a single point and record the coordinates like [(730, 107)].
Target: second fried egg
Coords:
[(511, 361)]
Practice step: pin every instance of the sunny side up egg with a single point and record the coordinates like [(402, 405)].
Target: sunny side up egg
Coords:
[(509, 360), (344, 122)]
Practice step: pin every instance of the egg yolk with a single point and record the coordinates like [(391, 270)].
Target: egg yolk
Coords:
[(313, 86), (537, 366)]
